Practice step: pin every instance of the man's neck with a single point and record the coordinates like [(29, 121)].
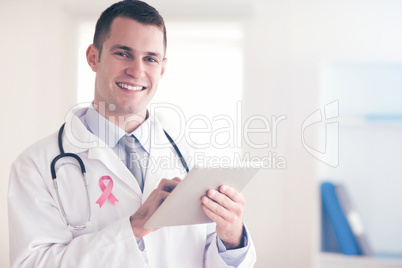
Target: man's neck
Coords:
[(127, 122)]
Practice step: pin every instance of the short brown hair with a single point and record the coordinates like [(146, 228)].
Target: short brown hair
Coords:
[(132, 9)]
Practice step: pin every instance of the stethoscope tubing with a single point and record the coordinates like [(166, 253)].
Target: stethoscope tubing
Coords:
[(83, 171)]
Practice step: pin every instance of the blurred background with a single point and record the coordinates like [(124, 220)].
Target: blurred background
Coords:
[(253, 61)]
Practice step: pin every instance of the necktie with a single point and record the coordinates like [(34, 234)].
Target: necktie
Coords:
[(133, 159)]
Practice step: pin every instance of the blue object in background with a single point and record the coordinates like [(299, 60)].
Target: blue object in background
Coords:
[(332, 208), (329, 243)]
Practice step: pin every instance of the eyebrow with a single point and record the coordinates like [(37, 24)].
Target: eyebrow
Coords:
[(155, 55), (129, 49), (125, 48)]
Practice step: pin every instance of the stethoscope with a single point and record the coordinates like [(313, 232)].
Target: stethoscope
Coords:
[(62, 154)]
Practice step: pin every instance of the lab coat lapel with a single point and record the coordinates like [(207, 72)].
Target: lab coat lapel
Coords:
[(159, 151), (162, 160), (77, 139), (115, 165)]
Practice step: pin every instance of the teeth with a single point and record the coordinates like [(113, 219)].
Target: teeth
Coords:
[(129, 87)]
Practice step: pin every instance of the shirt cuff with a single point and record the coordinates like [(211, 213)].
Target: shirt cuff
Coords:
[(233, 257), (140, 242)]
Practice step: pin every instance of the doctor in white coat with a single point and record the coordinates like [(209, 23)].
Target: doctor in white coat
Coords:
[(128, 56)]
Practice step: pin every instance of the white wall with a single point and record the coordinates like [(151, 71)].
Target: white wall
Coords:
[(37, 83), (286, 43)]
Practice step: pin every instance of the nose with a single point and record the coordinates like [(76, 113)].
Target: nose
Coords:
[(135, 69)]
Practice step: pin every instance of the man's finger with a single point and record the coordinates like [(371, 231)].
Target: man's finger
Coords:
[(232, 194), (221, 199), (168, 185), (176, 179), (213, 216), (216, 208)]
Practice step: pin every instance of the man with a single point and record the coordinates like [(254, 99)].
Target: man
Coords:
[(46, 224)]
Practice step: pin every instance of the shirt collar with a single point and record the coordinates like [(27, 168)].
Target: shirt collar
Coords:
[(111, 133)]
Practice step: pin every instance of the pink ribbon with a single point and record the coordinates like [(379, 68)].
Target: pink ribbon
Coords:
[(106, 191)]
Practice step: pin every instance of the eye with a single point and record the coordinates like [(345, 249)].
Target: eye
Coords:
[(122, 54), (150, 59)]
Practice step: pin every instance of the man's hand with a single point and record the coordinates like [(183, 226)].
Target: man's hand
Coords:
[(154, 200), (225, 207)]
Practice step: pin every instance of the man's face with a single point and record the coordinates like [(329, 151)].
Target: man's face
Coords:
[(130, 67)]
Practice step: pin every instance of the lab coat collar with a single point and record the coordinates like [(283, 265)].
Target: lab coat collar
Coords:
[(163, 159), (111, 133), (102, 128), (77, 139)]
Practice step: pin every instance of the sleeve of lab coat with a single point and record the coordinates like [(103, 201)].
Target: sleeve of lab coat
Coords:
[(39, 237), (212, 259)]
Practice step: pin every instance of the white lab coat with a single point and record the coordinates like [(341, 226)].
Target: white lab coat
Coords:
[(38, 233)]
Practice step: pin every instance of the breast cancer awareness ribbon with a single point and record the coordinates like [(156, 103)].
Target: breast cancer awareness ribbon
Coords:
[(106, 191)]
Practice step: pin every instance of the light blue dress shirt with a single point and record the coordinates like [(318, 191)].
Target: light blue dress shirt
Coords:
[(112, 134)]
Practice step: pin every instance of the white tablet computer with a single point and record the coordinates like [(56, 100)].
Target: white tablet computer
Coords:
[(183, 205)]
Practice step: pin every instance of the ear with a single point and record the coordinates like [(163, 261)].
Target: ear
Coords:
[(92, 57), (164, 61)]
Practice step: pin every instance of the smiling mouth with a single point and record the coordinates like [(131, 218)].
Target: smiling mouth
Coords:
[(129, 87)]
